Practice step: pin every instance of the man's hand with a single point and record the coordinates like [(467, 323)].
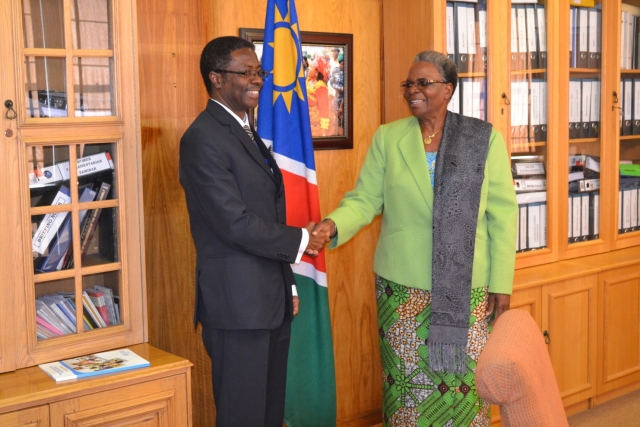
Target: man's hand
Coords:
[(296, 306), (317, 240), (499, 303)]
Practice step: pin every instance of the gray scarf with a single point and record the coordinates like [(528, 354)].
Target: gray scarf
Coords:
[(458, 182)]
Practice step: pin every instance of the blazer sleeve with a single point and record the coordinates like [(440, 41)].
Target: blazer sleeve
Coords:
[(502, 217), (212, 189), (362, 204)]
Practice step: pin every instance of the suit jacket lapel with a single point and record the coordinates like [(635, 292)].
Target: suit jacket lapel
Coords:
[(238, 131), (413, 153)]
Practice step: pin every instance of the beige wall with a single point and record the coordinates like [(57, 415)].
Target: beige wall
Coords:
[(172, 34)]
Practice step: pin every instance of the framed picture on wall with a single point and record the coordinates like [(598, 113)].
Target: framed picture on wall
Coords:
[(328, 62)]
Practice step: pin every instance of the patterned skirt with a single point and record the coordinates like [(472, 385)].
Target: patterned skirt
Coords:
[(412, 394)]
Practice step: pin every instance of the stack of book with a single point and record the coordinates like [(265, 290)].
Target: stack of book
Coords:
[(467, 47), (585, 37), (630, 37), (528, 113), (528, 37), (530, 183), (629, 197), (584, 108), (584, 198), (630, 100), (56, 313)]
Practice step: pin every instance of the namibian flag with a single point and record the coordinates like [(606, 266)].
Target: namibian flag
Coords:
[(283, 122)]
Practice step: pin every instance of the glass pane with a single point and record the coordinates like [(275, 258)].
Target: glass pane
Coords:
[(99, 237), (45, 86), (43, 23), (55, 309), (528, 129), (91, 24), (103, 294), (48, 167), (583, 200), (629, 101), (92, 80), (467, 47), (96, 171)]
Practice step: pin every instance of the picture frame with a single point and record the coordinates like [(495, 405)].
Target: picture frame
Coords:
[(322, 51)]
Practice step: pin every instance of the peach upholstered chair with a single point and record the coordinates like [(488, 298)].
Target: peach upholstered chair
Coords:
[(514, 372)]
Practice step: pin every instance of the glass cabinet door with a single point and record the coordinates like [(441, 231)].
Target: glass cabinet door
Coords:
[(583, 103), (74, 236), (466, 45), (68, 58), (627, 101), (528, 122)]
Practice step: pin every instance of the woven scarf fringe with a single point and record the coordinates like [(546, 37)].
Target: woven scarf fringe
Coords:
[(447, 357)]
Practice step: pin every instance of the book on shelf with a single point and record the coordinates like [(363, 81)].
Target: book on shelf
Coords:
[(88, 165), (105, 362), (92, 312), (54, 302), (51, 222), (61, 244), (98, 300), (108, 297), (90, 224), (44, 312), (629, 170)]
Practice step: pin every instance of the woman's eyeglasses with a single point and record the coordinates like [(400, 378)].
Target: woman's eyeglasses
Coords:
[(408, 84), (247, 73)]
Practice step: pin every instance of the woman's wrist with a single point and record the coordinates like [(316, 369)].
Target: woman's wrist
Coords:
[(333, 225)]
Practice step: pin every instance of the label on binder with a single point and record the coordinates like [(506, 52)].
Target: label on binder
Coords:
[(523, 169)]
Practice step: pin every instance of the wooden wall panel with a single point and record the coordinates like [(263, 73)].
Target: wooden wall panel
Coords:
[(171, 36), (182, 28), (409, 28)]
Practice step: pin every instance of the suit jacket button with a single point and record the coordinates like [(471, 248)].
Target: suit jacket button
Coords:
[(286, 256)]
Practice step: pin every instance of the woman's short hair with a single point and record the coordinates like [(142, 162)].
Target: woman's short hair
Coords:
[(446, 67), (216, 55)]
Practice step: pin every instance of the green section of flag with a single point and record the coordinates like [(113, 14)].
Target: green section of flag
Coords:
[(311, 384)]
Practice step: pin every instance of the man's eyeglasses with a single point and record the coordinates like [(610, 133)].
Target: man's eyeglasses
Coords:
[(408, 84), (247, 73)]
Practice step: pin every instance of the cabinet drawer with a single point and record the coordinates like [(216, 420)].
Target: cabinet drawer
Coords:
[(160, 403), (32, 417)]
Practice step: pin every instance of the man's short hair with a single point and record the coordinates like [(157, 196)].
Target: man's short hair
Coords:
[(216, 55)]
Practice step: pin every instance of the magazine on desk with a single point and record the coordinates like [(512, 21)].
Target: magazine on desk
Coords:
[(91, 365)]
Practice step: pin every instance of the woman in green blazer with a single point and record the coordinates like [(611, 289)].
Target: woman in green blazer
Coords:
[(446, 253)]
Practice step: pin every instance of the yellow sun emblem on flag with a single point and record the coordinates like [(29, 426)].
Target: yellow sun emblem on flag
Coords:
[(287, 64)]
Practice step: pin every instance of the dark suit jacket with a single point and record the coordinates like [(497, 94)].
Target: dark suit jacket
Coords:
[(237, 213)]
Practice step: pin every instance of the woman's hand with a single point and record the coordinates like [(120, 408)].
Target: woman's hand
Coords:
[(499, 303)]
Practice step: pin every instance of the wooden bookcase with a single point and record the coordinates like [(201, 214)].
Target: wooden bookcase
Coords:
[(569, 288), (70, 74)]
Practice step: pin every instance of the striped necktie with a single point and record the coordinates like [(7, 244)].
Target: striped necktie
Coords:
[(253, 138), (247, 129)]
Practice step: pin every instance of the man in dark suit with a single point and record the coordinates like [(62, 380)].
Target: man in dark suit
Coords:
[(236, 204)]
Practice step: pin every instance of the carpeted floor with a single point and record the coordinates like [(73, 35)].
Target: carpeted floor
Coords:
[(621, 412)]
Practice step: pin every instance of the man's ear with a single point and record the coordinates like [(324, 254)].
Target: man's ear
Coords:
[(215, 79)]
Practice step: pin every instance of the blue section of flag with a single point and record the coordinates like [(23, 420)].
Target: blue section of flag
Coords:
[(290, 131)]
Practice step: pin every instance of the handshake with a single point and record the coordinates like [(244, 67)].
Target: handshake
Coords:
[(319, 235)]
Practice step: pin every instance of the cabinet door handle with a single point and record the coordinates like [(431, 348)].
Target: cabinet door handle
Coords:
[(547, 339), (11, 113)]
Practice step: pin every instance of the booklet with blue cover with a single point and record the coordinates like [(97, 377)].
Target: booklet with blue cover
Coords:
[(94, 364)]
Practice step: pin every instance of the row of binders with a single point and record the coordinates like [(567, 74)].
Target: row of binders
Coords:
[(630, 117), (467, 36), (530, 184), (56, 313), (528, 37), (630, 37), (629, 198), (470, 98), (528, 113), (584, 108), (585, 37)]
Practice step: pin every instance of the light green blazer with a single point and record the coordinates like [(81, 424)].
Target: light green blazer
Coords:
[(394, 181)]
